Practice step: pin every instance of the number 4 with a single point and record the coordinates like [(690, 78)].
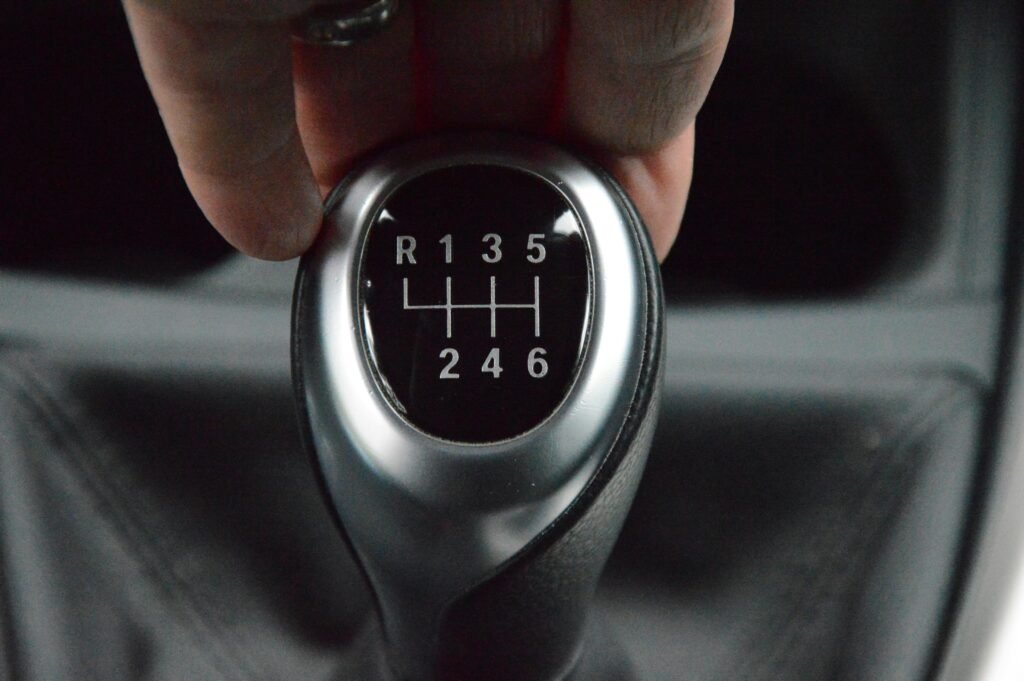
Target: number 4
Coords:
[(492, 364)]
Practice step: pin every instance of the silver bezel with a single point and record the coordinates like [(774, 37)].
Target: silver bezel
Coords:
[(396, 486)]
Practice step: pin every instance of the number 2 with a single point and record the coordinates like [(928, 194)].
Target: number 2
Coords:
[(453, 356)]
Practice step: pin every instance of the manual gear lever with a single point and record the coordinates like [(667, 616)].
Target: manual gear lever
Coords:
[(477, 349)]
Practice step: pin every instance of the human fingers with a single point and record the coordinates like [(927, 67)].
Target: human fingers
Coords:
[(350, 100), (636, 75), (492, 64), (223, 85), (658, 182)]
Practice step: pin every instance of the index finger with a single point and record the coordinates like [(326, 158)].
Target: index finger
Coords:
[(224, 90)]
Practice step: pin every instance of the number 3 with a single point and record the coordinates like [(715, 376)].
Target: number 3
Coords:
[(495, 254)]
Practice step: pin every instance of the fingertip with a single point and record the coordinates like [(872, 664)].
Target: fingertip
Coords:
[(663, 238), (273, 217), (658, 184)]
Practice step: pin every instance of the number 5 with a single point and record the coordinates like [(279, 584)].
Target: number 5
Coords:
[(533, 244)]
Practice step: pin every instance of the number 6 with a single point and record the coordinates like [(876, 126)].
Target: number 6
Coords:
[(536, 364)]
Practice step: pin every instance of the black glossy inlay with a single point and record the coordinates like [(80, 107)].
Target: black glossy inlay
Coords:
[(474, 296)]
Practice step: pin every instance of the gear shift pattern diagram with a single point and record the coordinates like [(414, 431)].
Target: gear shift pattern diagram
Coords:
[(489, 296)]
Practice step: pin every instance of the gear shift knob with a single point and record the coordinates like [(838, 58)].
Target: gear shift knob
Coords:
[(477, 346)]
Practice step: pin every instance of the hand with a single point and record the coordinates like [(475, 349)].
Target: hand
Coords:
[(263, 126)]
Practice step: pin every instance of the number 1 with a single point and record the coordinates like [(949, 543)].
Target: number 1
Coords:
[(447, 241)]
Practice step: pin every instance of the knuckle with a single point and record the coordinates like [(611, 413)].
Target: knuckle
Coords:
[(662, 32), (650, 65)]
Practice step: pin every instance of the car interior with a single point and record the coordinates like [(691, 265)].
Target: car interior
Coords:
[(836, 485)]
